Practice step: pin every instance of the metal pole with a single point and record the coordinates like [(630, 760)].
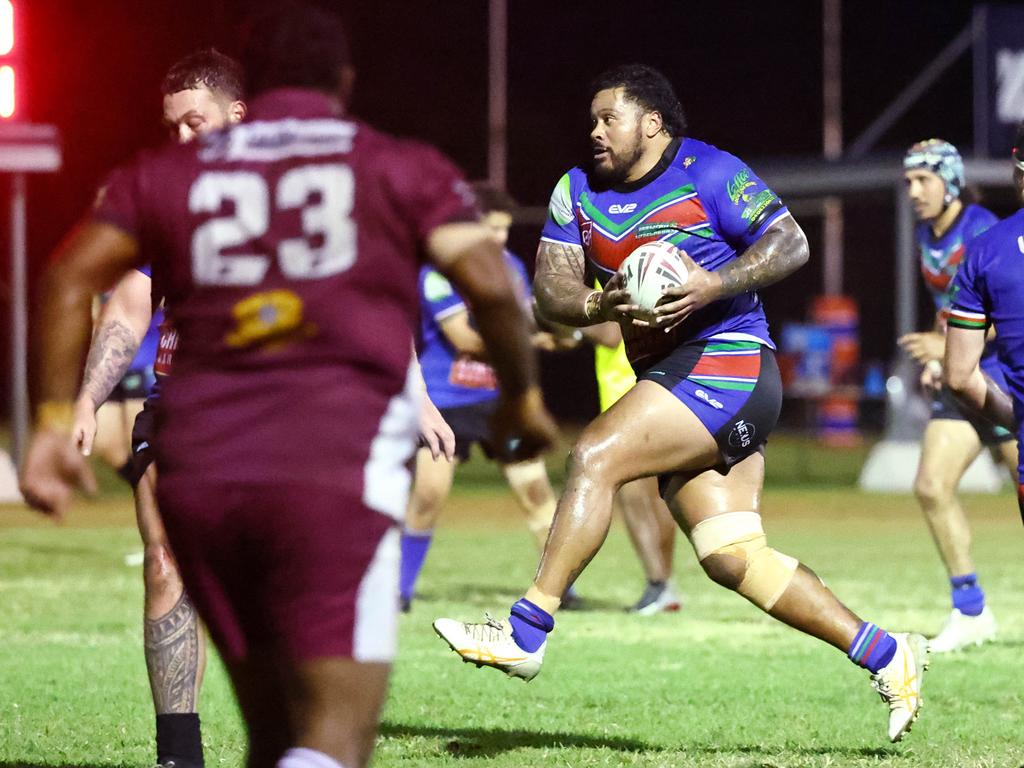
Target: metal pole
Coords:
[(979, 23), (906, 264), (497, 103), (867, 140), (19, 321), (832, 134)]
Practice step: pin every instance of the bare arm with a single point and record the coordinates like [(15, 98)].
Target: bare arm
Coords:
[(562, 293), (120, 328), (461, 335), (968, 383)]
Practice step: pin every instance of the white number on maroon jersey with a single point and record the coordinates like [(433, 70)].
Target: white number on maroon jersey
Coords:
[(329, 218), (248, 192), (324, 195)]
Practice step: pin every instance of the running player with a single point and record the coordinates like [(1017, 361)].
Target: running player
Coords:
[(462, 384), (934, 173), (287, 250), (708, 390), (648, 522), (988, 291), (202, 92)]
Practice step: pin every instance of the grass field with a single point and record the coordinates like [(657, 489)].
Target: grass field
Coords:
[(718, 684)]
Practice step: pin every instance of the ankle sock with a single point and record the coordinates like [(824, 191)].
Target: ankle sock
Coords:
[(872, 648), (179, 738), (300, 757), (968, 597), (530, 625), (415, 545)]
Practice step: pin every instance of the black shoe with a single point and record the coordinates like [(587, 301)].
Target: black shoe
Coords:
[(405, 604)]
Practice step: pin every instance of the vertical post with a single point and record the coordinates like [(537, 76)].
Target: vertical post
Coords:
[(979, 29), (497, 103), (906, 265), (832, 135), (832, 16), (19, 321)]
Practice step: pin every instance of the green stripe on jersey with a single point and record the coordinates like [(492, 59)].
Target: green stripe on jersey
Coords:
[(617, 229), (971, 325), (731, 346)]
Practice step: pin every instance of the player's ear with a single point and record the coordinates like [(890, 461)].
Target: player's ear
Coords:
[(237, 112), (346, 84), (653, 124)]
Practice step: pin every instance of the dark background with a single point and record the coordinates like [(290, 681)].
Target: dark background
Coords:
[(747, 73)]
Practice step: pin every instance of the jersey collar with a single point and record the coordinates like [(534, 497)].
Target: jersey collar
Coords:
[(659, 168)]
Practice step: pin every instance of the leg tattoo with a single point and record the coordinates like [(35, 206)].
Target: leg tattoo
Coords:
[(172, 657)]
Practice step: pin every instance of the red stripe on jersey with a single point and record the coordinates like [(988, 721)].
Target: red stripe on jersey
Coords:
[(610, 254)]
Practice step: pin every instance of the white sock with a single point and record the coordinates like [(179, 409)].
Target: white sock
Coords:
[(300, 757)]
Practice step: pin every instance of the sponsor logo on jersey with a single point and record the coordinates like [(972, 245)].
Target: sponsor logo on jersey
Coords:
[(586, 232), (742, 434), (436, 287), (738, 185), (708, 399), (688, 161), (756, 206), (627, 208)]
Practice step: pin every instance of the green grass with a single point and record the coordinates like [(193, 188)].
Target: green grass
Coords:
[(718, 684)]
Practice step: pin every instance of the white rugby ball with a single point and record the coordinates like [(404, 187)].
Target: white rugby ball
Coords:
[(649, 270)]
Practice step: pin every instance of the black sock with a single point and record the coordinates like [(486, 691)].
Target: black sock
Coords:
[(178, 738)]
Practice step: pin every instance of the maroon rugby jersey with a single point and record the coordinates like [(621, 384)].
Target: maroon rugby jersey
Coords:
[(287, 250)]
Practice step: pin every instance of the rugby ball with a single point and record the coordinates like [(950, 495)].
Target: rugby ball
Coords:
[(649, 270)]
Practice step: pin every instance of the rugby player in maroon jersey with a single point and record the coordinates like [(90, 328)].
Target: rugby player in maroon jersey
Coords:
[(202, 92), (287, 249)]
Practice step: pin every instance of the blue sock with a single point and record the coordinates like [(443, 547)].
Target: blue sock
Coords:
[(968, 597), (414, 551), (872, 648), (530, 625)]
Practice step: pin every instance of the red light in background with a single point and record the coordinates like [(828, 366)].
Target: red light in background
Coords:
[(6, 27), (6, 91)]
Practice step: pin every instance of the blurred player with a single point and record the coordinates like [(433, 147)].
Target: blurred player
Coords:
[(202, 92), (648, 522), (934, 173), (708, 390), (287, 249), (988, 292), (462, 384)]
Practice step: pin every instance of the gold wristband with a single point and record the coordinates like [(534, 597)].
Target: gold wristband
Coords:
[(57, 415), (592, 305)]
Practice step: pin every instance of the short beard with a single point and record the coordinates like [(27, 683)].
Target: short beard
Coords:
[(621, 165)]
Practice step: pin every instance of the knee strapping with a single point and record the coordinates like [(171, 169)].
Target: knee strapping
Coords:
[(767, 573)]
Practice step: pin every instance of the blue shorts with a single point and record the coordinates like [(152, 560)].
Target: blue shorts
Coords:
[(733, 387)]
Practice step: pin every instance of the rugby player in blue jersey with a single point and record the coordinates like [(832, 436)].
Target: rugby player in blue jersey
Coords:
[(462, 384), (708, 390), (988, 292), (934, 172)]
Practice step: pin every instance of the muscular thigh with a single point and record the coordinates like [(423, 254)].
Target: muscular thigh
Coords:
[(696, 496), (947, 450)]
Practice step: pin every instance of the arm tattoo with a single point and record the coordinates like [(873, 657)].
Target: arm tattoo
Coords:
[(560, 283), (172, 658), (110, 355), (780, 251)]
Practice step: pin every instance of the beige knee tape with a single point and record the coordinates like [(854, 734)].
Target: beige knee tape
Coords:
[(740, 534)]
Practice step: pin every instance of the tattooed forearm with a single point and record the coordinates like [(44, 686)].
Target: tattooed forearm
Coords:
[(111, 353), (172, 657), (780, 251), (560, 283)]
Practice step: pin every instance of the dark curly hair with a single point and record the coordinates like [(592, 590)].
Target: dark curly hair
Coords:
[(207, 68), (294, 43), (648, 88)]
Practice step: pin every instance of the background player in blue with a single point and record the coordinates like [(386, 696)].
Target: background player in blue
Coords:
[(464, 387), (201, 92), (708, 390), (988, 291), (934, 172)]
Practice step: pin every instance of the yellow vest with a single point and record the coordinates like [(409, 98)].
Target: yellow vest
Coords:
[(615, 375)]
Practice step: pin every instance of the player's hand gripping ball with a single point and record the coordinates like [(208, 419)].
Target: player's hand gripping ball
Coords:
[(648, 271)]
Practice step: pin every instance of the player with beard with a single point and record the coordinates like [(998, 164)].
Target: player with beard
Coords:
[(287, 249), (202, 92), (708, 390)]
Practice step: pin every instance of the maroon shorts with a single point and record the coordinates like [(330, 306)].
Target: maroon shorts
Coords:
[(302, 570)]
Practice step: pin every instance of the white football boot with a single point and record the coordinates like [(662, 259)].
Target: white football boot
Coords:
[(961, 631), (899, 682), (490, 644), (657, 599)]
